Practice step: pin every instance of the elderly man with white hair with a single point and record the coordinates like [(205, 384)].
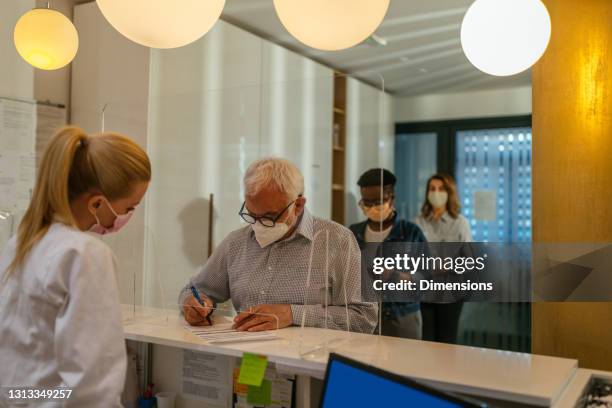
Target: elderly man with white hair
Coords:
[(286, 266)]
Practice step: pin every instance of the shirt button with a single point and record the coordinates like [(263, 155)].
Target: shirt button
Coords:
[(269, 268), (263, 292)]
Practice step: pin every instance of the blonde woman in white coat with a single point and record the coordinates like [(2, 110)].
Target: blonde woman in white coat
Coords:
[(60, 317)]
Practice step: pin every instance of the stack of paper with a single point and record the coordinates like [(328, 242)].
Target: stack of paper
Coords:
[(224, 333)]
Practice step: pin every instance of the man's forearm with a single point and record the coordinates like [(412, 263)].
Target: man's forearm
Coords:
[(359, 317)]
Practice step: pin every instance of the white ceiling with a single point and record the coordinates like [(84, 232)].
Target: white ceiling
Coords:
[(423, 54)]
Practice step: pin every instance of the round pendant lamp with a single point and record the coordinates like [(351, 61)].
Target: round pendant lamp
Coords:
[(46, 38), (162, 23), (505, 37), (331, 25)]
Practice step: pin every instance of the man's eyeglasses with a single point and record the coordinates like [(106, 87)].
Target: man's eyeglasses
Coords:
[(266, 221), (374, 203)]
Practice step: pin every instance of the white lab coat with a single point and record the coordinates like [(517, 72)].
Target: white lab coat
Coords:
[(60, 319)]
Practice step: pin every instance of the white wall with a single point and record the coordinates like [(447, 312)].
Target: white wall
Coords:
[(16, 75), (217, 105), (111, 69), (464, 105), (370, 139), (204, 122), (296, 120)]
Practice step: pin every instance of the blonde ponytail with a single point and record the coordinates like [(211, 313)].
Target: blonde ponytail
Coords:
[(75, 163)]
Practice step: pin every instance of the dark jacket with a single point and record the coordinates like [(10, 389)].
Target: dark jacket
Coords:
[(402, 231)]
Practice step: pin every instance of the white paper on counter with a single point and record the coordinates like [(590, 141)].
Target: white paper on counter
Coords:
[(224, 333), (207, 377)]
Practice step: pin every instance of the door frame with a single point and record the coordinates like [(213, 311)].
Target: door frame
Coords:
[(446, 130)]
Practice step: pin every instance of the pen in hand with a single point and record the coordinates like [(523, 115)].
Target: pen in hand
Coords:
[(196, 295)]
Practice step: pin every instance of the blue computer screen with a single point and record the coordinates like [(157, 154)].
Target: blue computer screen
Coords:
[(348, 386)]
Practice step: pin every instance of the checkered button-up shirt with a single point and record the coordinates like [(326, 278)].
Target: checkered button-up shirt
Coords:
[(240, 270)]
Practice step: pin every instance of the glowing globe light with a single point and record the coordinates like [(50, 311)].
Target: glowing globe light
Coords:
[(162, 23), (46, 39), (331, 25), (505, 37)]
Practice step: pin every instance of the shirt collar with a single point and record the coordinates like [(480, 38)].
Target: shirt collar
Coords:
[(306, 226), (445, 217)]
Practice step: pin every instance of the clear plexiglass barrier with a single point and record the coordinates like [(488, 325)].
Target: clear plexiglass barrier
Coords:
[(203, 129)]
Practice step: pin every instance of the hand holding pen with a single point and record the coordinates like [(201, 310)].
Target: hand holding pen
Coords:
[(197, 310)]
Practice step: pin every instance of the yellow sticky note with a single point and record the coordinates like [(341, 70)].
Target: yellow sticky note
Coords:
[(252, 369)]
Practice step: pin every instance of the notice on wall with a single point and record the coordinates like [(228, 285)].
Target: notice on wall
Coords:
[(484, 205), (25, 130), (17, 154), (8, 179), (17, 162), (49, 119), (17, 125), (207, 377)]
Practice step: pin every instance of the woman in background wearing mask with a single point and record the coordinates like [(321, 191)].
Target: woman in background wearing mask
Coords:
[(60, 316), (441, 221), (377, 187)]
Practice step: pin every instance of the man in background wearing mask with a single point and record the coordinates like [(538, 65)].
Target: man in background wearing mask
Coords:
[(263, 267), (384, 225)]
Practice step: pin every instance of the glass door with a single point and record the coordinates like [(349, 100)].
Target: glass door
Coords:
[(494, 180), (415, 162)]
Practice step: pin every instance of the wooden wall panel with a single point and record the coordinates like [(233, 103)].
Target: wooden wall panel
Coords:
[(572, 167)]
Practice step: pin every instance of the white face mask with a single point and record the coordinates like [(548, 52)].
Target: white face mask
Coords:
[(268, 235), (437, 199), (378, 213)]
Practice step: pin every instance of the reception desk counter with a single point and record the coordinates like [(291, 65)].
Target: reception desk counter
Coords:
[(493, 375)]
